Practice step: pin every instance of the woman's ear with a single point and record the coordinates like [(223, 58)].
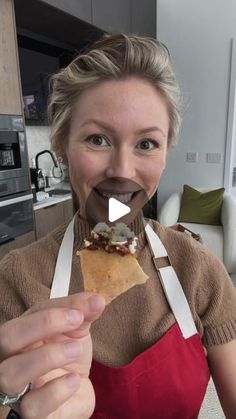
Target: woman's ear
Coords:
[(61, 156)]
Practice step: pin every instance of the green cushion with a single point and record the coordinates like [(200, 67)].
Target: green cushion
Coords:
[(201, 207)]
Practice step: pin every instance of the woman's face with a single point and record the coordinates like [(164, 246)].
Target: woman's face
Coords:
[(117, 143)]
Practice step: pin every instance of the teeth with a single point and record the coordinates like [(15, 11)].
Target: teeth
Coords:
[(121, 197)]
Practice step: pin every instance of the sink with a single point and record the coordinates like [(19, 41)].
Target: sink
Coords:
[(59, 192)]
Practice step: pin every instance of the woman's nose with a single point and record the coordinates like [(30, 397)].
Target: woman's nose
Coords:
[(121, 164)]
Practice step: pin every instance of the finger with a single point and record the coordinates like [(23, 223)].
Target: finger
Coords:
[(24, 331), (40, 403), (92, 305), (47, 319), (96, 307), (17, 371), (88, 303)]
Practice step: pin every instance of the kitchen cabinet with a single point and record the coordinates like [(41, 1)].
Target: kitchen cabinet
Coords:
[(143, 17), (50, 217), (78, 8), (10, 90), (126, 16), (57, 27), (112, 15), (19, 241)]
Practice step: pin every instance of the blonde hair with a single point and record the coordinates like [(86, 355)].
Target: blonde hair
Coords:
[(114, 56)]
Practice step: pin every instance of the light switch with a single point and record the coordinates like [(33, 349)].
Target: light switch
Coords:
[(192, 156), (214, 157), (234, 177)]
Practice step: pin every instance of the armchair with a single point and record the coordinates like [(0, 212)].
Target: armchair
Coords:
[(221, 240)]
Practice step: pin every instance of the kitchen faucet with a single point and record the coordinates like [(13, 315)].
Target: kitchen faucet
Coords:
[(36, 173), (43, 152)]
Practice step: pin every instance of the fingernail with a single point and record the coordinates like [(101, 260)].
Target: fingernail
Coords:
[(73, 380), (73, 349), (74, 316), (95, 302)]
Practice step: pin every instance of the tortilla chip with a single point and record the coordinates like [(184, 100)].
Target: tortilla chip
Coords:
[(110, 274)]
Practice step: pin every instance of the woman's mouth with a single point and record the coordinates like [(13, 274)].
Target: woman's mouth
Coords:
[(124, 197)]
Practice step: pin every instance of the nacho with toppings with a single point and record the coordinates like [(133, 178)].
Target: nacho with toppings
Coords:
[(108, 261)]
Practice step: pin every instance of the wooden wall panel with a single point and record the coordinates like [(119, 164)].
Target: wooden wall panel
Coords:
[(10, 90)]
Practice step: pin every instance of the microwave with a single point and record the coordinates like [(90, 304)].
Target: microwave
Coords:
[(14, 171)]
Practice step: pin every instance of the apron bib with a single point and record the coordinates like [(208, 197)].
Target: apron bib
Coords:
[(170, 378)]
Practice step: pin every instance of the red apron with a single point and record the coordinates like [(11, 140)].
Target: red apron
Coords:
[(169, 379)]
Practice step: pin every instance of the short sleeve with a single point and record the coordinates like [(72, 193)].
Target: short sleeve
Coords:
[(216, 300)]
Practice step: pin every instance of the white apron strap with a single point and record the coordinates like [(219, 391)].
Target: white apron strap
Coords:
[(172, 287), (62, 274)]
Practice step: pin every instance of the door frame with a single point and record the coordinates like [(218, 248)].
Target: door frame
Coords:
[(230, 149)]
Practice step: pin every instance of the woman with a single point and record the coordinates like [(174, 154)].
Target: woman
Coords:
[(114, 113)]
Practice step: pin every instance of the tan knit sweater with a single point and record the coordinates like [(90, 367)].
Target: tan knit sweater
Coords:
[(138, 318)]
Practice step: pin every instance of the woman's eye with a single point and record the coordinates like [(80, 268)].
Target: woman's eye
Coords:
[(98, 140), (148, 144)]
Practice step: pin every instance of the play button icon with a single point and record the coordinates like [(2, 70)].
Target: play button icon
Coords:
[(114, 199), (116, 209)]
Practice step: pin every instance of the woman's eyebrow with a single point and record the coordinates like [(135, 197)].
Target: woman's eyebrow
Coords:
[(150, 129), (108, 127), (101, 124)]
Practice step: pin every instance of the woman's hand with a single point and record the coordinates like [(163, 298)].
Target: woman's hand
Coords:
[(50, 346)]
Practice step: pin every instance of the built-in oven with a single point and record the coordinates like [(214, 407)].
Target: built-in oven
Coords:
[(14, 171), (16, 199), (16, 217)]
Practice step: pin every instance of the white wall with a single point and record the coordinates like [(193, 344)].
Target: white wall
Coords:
[(37, 138), (198, 35)]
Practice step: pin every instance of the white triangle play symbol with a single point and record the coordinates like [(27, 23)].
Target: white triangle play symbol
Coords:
[(116, 209)]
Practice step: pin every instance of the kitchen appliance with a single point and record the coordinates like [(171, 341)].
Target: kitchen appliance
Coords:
[(16, 199), (14, 175), (16, 217)]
